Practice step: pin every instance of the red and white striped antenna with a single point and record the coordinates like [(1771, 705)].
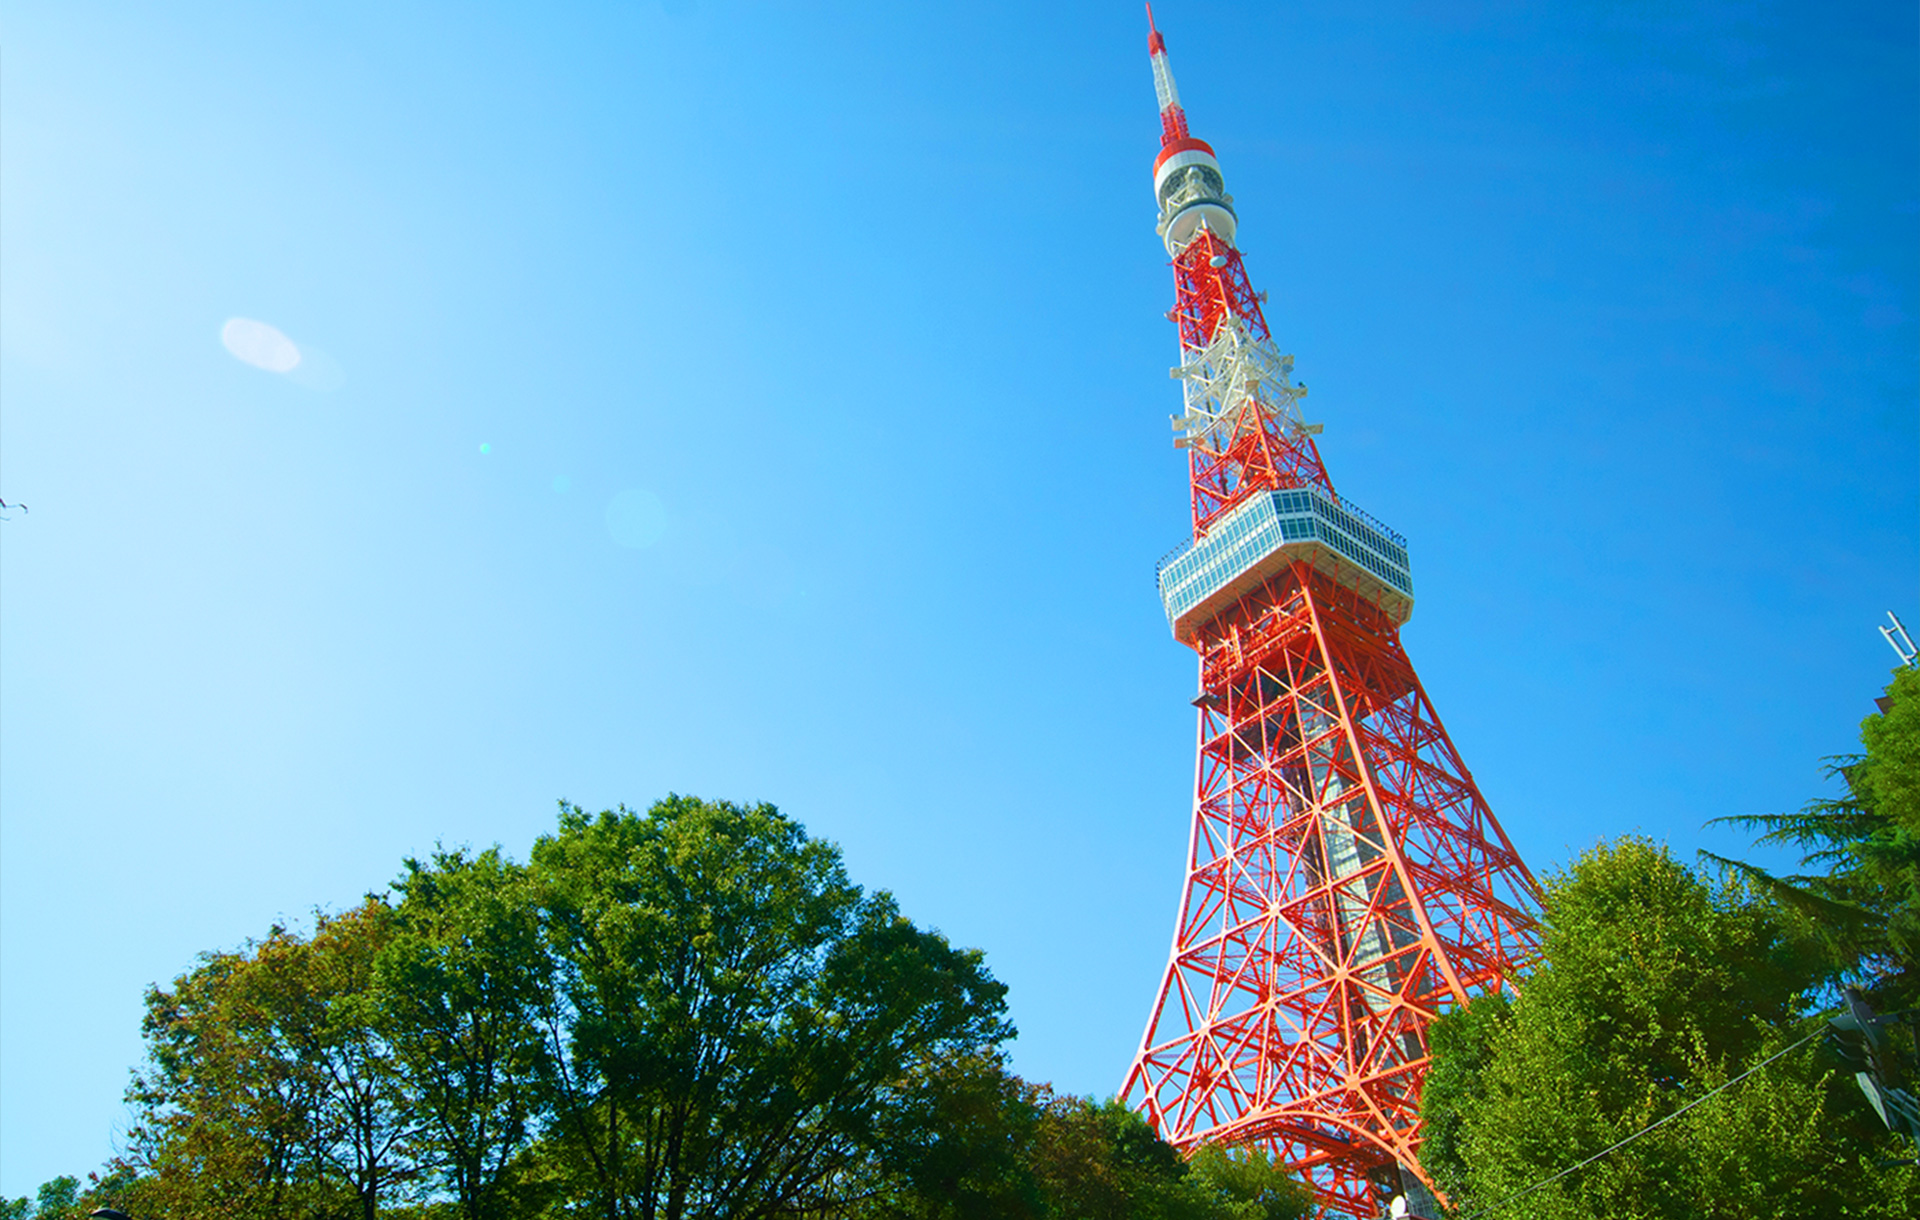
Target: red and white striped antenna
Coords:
[(1173, 120)]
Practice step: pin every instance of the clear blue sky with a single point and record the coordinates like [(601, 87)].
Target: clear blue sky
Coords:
[(853, 315)]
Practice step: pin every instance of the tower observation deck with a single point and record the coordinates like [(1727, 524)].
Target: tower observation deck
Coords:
[(1345, 881)]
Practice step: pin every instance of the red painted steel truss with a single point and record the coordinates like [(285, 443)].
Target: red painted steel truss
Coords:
[(1345, 883)]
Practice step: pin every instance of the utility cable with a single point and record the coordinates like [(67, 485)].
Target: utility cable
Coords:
[(1646, 1130)]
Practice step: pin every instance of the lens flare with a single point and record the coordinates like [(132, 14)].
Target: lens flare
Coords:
[(260, 345)]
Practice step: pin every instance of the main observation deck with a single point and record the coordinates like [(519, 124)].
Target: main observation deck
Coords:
[(1201, 579)]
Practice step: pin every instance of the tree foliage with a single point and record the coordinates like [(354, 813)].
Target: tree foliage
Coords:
[(688, 1012), (57, 1199), (1656, 988), (463, 995), (741, 1015), (1023, 1152), (1659, 986), (1250, 1184), (269, 1088), (1864, 900)]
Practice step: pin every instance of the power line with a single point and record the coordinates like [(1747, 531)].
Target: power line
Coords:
[(1646, 1130)]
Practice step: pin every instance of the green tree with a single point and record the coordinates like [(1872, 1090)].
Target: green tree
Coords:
[(742, 1017), (464, 995), (1251, 1184), (1656, 988), (226, 1107), (1103, 1162), (367, 1119), (1461, 1043), (958, 1146), (690, 1012), (269, 1091), (1004, 1149), (117, 1186), (57, 1199), (1865, 897)]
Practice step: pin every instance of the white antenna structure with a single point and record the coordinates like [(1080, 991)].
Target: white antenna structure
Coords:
[(1900, 641)]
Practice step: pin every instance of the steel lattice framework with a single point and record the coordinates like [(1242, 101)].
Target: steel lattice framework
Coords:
[(1345, 880)]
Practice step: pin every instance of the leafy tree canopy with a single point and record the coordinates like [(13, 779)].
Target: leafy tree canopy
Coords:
[(1655, 988), (269, 1089), (743, 1019), (1864, 900), (687, 1012), (1048, 1156), (463, 993), (58, 1199)]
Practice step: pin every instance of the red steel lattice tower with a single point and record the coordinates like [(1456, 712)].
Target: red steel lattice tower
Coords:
[(1345, 879)]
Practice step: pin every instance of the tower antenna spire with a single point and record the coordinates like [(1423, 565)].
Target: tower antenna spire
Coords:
[(1173, 119)]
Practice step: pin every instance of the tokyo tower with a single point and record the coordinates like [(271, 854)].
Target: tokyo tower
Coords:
[(1345, 880)]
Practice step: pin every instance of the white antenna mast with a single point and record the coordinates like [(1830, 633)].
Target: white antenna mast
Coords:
[(1900, 641)]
